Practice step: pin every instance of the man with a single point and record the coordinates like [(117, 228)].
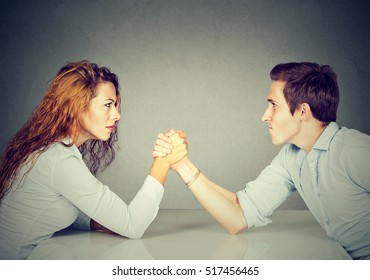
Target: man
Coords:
[(325, 163)]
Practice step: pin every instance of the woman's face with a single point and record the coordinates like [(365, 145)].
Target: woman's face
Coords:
[(100, 119)]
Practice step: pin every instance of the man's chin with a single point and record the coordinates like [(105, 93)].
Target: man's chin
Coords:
[(276, 142)]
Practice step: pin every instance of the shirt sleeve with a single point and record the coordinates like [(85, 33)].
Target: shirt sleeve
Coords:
[(263, 195), (355, 157), (72, 179), (82, 222)]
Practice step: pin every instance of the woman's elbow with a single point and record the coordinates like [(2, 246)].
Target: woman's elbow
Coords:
[(135, 235)]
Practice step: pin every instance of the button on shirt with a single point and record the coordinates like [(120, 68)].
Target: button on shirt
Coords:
[(333, 179)]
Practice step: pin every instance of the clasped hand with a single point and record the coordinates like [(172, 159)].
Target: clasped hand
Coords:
[(171, 146)]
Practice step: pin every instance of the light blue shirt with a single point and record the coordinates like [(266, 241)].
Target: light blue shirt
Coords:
[(333, 179)]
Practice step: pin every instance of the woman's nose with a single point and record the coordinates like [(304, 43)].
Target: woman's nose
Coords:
[(116, 115)]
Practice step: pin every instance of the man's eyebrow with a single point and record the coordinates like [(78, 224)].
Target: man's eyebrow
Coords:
[(272, 101)]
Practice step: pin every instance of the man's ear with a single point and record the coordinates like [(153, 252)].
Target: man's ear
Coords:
[(305, 112)]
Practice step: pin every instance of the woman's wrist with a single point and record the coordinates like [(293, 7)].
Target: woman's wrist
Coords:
[(159, 170)]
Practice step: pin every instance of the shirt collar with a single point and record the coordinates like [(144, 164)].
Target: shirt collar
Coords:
[(73, 148), (326, 136), (67, 140)]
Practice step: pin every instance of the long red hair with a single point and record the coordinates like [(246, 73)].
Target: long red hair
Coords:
[(58, 116)]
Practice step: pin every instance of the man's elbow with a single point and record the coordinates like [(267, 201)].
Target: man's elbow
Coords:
[(237, 224), (237, 228)]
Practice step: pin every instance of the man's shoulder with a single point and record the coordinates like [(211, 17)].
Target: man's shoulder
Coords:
[(349, 137), (350, 146)]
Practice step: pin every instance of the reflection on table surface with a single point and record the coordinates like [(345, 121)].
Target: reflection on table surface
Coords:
[(194, 234)]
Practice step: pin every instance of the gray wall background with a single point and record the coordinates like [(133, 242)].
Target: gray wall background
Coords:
[(198, 66)]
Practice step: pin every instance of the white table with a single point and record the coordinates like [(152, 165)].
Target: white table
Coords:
[(194, 235)]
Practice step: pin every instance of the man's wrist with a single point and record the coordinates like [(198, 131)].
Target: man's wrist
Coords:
[(186, 170), (181, 164)]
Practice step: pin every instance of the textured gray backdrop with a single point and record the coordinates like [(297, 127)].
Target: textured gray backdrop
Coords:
[(199, 66)]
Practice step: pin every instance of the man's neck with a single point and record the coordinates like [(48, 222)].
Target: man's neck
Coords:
[(311, 132)]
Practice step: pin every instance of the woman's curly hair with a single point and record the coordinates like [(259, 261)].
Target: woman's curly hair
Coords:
[(57, 117)]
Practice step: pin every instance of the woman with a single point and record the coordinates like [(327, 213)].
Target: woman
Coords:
[(47, 180)]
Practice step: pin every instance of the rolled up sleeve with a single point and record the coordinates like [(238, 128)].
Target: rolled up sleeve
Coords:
[(262, 196)]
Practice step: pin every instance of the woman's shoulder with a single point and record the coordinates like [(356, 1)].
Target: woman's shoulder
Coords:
[(60, 151)]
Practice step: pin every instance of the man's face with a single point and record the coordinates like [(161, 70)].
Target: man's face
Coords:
[(283, 127)]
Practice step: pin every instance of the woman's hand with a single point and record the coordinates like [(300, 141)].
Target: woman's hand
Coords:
[(171, 147), (163, 145), (180, 149), (95, 226)]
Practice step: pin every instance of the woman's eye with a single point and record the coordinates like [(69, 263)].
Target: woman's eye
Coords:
[(108, 105)]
